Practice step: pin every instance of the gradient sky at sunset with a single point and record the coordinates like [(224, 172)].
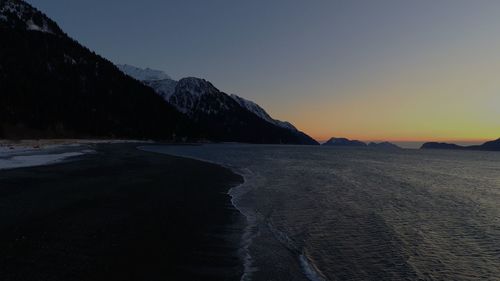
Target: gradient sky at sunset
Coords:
[(371, 70)]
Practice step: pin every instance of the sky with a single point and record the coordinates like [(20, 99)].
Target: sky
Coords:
[(399, 70)]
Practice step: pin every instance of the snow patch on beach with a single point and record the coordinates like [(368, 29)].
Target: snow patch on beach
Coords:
[(21, 161), (35, 160), (29, 153)]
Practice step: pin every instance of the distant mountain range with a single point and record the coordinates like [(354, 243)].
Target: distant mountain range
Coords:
[(222, 117), (487, 146), (383, 145), (51, 87), (344, 142)]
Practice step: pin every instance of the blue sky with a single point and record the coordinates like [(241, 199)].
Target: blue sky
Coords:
[(366, 69)]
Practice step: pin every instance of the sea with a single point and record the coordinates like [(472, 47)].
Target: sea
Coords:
[(329, 213)]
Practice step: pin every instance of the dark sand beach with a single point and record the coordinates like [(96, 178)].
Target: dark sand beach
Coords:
[(119, 214)]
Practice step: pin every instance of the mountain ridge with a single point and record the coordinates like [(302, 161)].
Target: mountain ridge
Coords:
[(383, 145), (493, 145), (345, 142), (336, 141), (205, 104)]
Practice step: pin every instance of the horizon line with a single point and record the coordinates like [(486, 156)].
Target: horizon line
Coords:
[(464, 140)]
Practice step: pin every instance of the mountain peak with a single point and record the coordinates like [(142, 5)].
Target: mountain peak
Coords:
[(383, 145), (195, 94), (143, 74), (344, 142), (196, 87)]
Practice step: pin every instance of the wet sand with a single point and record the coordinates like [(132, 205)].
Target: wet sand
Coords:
[(119, 214)]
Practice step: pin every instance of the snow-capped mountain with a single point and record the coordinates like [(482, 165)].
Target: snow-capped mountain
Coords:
[(164, 88), (223, 114), (140, 74), (161, 82), (193, 96), (191, 91)]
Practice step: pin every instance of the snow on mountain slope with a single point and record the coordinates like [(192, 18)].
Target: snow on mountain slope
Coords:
[(143, 74), (195, 94), (259, 111), (164, 88), (161, 82), (191, 94), (18, 14)]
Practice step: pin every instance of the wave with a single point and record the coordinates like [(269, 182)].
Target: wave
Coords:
[(250, 231), (310, 270)]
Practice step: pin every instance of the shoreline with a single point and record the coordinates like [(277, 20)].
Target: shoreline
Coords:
[(120, 214), (308, 269), (248, 234)]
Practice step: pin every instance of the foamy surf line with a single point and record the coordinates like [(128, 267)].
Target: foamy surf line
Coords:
[(308, 267), (38, 159), (249, 233), (235, 192)]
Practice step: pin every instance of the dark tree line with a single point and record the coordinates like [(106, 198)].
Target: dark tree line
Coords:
[(51, 86)]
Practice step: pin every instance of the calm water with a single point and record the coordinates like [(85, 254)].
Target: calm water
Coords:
[(322, 213)]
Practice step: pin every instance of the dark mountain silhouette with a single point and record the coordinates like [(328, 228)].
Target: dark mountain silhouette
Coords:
[(51, 86), (383, 145), (440, 145), (487, 146), (344, 142)]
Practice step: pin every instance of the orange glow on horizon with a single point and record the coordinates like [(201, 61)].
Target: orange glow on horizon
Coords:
[(416, 139)]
